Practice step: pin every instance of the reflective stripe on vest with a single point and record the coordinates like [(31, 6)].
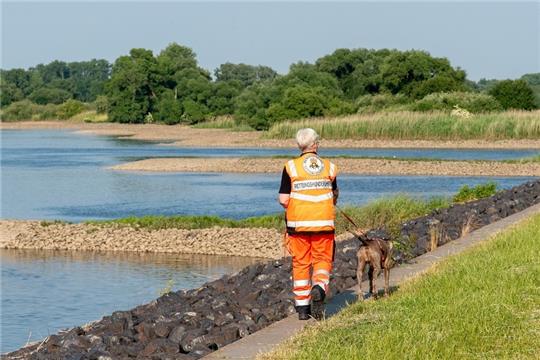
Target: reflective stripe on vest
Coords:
[(332, 170), (313, 223), (292, 168), (312, 198)]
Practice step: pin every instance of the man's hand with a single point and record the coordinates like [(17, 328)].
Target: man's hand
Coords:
[(284, 200), (336, 195)]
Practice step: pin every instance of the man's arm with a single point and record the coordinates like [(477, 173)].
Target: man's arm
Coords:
[(284, 200), (284, 189), (335, 190)]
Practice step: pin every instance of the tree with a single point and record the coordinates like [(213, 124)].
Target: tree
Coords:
[(131, 88), (514, 94), (101, 104), (193, 111), (298, 102), (437, 84), (403, 72), (9, 93), (221, 102), (250, 106), (245, 74), (531, 79), (168, 109), (45, 96), (25, 81)]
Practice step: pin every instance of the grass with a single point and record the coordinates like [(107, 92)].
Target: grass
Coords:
[(90, 117), (223, 122), (480, 191), (418, 126), (525, 160), (157, 222), (391, 212), (482, 304)]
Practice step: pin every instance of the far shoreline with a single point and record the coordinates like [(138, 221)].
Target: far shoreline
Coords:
[(186, 136), (352, 166)]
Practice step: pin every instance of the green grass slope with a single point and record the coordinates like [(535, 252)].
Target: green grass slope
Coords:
[(483, 304)]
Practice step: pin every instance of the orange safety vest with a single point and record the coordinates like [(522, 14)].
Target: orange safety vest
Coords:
[(311, 202)]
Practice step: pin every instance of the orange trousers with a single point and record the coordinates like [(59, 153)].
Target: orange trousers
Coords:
[(312, 257)]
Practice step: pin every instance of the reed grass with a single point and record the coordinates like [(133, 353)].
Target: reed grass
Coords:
[(389, 212), (90, 116), (223, 122), (406, 125), (482, 304)]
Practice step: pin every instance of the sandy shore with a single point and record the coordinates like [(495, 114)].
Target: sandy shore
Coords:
[(31, 234), (181, 135), (252, 242), (348, 166)]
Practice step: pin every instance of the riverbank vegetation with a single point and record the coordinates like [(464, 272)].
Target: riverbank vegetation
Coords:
[(418, 126), (170, 88), (481, 304), (389, 212)]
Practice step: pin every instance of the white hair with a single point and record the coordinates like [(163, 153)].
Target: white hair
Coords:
[(306, 138)]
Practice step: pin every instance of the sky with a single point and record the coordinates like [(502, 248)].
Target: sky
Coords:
[(488, 39)]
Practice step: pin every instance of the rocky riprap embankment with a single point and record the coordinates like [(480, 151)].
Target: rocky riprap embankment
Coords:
[(255, 242), (191, 324)]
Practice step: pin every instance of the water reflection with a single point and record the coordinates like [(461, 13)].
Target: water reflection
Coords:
[(169, 260)]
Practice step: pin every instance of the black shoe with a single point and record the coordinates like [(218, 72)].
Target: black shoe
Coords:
[(317, 302), (303, 312)]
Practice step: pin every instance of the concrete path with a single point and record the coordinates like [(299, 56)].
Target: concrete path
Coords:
[(266, 339)]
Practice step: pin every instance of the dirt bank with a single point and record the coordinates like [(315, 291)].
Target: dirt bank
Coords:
[(181, 135), (214, 241), (349, 166)]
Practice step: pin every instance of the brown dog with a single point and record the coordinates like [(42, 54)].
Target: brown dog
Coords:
[(377, 253)]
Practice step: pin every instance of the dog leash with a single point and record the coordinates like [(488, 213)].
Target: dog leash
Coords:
[(349, 219), (363, 236)]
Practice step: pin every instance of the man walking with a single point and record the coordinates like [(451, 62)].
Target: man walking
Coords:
[(309, 192)]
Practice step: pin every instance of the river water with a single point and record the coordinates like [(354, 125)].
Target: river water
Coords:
[(62, 175), (44, 291)]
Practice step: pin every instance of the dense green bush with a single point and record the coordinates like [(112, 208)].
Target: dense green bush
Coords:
[(194, 112), (9, 93), (47, 112), (514, 94), (251, 105), (27, 110), (473, 102), (44, 96), (168, 109), (437, 84), (101, 104), (373, 103), (69, 108), (19, 110)]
